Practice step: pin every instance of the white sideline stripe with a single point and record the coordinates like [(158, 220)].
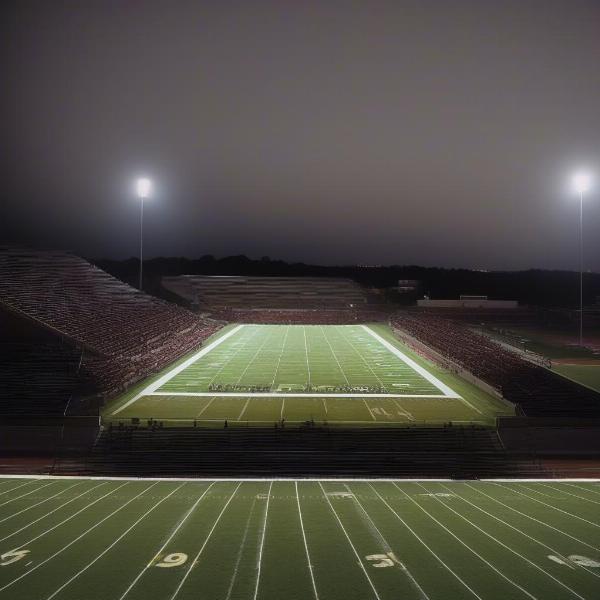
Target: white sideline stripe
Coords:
[(195, 561), (447, 391), (458, 578), (389, 479), (460, 541), (42, 563), (262, 542), (312, 576), (500, 543), (178, 369), (160, 551), (360, 562), (108, 548), (295, 395)]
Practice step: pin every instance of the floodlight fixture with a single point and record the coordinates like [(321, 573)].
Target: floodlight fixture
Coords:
[(143, 187)]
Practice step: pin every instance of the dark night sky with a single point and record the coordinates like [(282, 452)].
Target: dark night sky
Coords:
[(430, 132)]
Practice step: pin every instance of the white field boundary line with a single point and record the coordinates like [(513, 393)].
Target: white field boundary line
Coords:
[(293, 395), (317, 479), (446, 390), (416, 535), (167, 542), (262, 543), (500, 543), (474, 552), (310, 567), (358, 558), (178, 369)]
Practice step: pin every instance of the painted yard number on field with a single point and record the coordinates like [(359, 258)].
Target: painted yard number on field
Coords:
[(582, 561), (13, 556), (176, 559), (381, 561)]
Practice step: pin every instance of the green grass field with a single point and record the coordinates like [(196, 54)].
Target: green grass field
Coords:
[(348, 374), (86, 539), (588, 375)]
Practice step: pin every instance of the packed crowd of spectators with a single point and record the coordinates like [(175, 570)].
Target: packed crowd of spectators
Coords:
[(537, 390), (119, 333)]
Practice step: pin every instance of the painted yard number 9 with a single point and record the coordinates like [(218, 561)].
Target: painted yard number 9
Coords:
[(176, 559)]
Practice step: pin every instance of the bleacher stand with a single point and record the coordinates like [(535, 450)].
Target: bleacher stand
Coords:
[(536, 390), (80, 329)]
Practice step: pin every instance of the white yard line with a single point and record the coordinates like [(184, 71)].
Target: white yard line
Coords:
[(178, 369), (550, 505), (386, 546), (583, 489), (479, 491), (295, 395), (370, 411), (23, 495), (205, 406), (418, 537), (244, 409), (98, 523), (474, 552), (533, 539), (500, 543), (240, 553), (360, 562), (404, 411), (40, 502), (114, 543), (262, 543), (570, 494), (282, 408), (255, 355), (161, 549), (447, 391), (280, 356), (199, 554), (18, 486), (52, 511), (306, 352), (310, 568), (334, 355)]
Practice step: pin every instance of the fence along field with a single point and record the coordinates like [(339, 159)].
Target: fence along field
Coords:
[(328, 540), (267, 373)]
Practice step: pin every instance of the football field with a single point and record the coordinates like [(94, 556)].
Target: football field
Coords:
[(261, 374), (99, 539)]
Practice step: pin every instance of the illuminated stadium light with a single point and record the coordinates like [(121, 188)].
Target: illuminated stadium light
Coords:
[(143, 187), (582, 182)]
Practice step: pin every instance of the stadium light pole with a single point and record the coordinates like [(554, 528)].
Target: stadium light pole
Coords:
[(582, 183), (143, 187)]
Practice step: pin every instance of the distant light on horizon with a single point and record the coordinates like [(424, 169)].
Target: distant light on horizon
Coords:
[(582, 182), (143, 187)]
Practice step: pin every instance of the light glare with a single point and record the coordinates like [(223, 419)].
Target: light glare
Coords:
[(143, 187), (582, 182)]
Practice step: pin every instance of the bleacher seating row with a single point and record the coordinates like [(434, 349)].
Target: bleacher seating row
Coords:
[(257, 452), (112, 333), (301, 317), (535, 389), (215, 292)]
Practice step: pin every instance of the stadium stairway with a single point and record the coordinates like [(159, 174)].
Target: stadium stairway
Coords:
[(450, 452)]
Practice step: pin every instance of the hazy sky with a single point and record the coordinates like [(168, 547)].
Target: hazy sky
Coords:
[(429, 132)]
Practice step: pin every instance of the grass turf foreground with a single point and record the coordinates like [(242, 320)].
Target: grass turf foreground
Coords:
[(92, 539)]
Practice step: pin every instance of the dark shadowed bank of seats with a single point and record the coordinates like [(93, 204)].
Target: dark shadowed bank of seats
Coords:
[(538, 391), (70, 326), (252, 452), (314, 316)]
